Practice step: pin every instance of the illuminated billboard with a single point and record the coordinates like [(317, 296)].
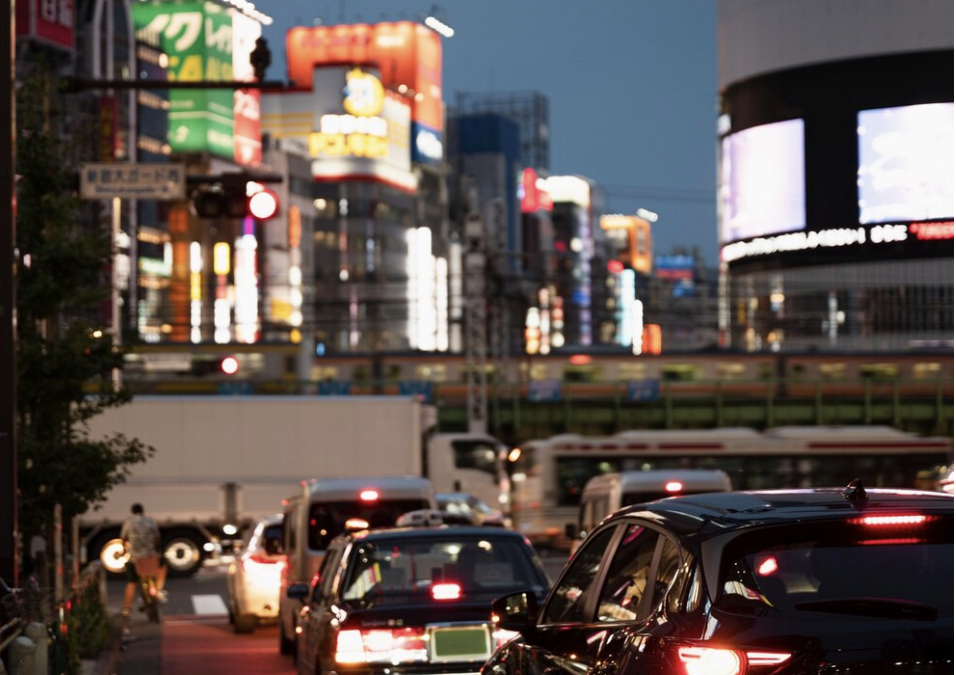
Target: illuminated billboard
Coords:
[(762, 180), (351, 127), (638, 239), (905, 163), (206, 42), (407, 56)]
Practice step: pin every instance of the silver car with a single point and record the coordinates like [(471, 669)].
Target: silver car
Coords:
[(255, 577)]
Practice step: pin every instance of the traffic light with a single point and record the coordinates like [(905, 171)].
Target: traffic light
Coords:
[(236, 196)]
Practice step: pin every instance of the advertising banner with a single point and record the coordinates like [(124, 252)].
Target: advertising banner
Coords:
[(407, 55), (351, 127), (50, 21), (200, 38)]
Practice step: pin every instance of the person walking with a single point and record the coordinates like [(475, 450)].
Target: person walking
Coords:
[(140, 535)]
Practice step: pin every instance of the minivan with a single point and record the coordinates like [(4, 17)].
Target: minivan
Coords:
[(328, 507)]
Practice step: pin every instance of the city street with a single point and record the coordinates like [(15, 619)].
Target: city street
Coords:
[(196, 637)]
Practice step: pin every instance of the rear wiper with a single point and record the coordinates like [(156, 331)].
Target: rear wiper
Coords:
[(885, 608)]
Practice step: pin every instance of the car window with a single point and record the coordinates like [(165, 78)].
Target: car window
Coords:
[(398, 571), (327, 520), (327, 571), (272, 539), (627, 577), (841, 568), (567, 602)]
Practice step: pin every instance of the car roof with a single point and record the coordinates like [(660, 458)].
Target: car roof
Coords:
[(714, 512), (435, 532), (389, 487)]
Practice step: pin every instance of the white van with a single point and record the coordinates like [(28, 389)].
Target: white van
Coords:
[(605, 494), (325, 509)]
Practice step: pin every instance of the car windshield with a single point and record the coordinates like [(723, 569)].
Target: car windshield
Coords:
[(327, 520), (904, 571), (403, 570)]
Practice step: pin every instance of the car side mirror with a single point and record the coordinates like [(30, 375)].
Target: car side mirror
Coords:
[(517, 612), (297, 592)]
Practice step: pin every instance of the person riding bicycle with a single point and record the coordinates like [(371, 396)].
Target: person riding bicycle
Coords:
[(140, 535)]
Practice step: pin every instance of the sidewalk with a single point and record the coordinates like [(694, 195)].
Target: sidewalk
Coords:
[(137, 655)]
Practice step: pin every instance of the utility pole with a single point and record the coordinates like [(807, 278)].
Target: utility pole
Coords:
[(9, 502), (476, 331)]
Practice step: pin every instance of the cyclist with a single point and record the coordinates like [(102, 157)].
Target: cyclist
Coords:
[(140, 534)]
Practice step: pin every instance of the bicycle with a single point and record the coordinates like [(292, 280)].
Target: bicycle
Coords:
[(147, 569)]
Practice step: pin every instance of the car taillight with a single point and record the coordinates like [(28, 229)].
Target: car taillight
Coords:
[(890, 521), (399, 645), (257, 564), (700, 660), (446, 591)]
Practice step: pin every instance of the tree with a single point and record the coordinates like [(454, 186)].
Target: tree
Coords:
[(65, 355)]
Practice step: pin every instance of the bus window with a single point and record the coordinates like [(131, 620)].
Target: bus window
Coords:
[(585, 373), (433, 372), (632, 371)]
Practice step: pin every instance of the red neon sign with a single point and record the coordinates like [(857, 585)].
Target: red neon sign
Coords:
[(931, 231)]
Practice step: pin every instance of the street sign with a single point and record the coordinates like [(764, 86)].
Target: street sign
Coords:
[(544, 391), (643, 390), (128, 180)]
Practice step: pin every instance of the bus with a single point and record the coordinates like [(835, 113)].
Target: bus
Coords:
[(549, 475)]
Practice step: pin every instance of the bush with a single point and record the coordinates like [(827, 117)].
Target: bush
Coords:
[(90, 626)]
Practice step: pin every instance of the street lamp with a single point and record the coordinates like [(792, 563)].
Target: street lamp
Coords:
[(437, 24)]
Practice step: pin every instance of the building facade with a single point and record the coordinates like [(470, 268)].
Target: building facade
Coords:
[(836, 175)]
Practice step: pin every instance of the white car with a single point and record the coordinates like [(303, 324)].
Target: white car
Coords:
[(466, 509), (255, 577)]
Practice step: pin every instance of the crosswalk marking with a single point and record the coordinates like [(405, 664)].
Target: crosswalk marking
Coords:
[(209, 605)]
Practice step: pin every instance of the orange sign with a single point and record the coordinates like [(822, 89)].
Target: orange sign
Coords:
[(406, 54)]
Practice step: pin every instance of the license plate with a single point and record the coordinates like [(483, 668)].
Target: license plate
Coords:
[(468, 643)]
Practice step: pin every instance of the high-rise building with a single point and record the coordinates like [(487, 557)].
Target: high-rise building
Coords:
[(836, 174)]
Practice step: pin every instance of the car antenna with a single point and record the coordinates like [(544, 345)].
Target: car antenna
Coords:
[(855, 492)]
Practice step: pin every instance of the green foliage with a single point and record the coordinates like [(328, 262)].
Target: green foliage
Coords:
[(64, 350), (90, 627)]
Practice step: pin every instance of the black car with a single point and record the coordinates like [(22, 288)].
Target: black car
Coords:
[(748, 583), (413, 600)]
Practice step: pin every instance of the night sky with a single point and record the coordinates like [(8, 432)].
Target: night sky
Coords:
[(631, 85)]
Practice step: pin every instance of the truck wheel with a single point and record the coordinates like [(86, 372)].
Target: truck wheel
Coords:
[(109, 550), (183, 551)]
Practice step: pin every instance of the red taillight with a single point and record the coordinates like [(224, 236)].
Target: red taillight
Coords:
[(446, 591), (699, 660), (878, 521), (673, 486), (368, 495), (258, 564), (399, 645)]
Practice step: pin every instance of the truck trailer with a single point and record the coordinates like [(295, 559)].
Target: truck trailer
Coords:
[(222, 463)]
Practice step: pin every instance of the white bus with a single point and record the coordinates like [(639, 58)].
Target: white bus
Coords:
[(549, 475)]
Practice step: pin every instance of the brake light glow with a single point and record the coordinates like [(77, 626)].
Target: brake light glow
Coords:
[(673, 486), (446, 591), (710, 661), (368, 495), (726, 661), (399, 645), (877, 521), (767, 567)]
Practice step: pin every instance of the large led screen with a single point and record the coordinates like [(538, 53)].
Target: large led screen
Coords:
[(906, 163), (762, 181)]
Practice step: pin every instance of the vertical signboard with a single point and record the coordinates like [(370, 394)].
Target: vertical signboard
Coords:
[(200, 38), (49, 21)]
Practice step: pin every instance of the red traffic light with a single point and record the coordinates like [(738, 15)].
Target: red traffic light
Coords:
[(229, 365), (263, 204)]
